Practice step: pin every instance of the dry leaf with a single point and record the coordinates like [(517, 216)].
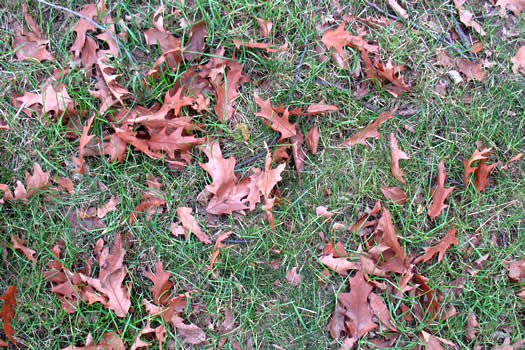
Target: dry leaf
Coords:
[(217, 248), (472, 324), (8, 311), (196, 45), (466, 17), (513, 159), (339, 265), (297, 150), (280, 124), (396, 155), (293, 277), (19, 244), (190, 224), (265, 27), (226, 91), (440, 193), (389, 237), (266, 46), (380, 310), (441, 247), (312, 139), (84, 140), (518, 61), (30, 44), (514, 5), (483, 170), (161, 284), (477, 156), (471, 69), (323, 212), (109, 341), (395, 194), (370, 131), (110, 77)]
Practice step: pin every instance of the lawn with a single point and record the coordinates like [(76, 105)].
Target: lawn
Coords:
[(251, 297)]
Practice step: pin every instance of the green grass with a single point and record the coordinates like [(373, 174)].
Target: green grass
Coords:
[(292, 317)]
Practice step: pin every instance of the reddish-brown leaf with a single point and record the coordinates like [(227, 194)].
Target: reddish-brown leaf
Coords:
[(466, 17), (357, 307), (471, 69), (370, 131), (265, 27), (514, 5), (84, 140), (280, 124), (217, 248), (517, 270), (395, 194), (293, 277), (8, 311), (266, 46), (513, 159), (339, 38), (19, 243), (151, 200), (518, 61), (190, 224), (339, 265), (477, 156), (323, 212), (434, 343), (110, 279), (396, 155), (30, 44), (266, 182), (226, 91), (297, 150), (161, 284), (312, 139), (471, 325), (440, 193), (338, 251), (53, 98), (159, 333), (196, 44), (109, 341), (389, 236), (428, 296), (441, 247), (380, 310), (387, 72), (110, 77), (483, 170)]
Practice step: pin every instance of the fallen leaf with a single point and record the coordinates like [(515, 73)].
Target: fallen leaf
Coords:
[(471, 69), (159, 333), (323, 212), (266, 46), (265, 27), (389, 237), (518, 61), (293, 277), (19, 244), (190, 225), (517, 270), (472, 325), (151, 200), (196, 43), (339, 265), (483, 170), (337, 251), (30, 44), (466, 17), (8, 311), (434, 343), (370, 131), (297, 150), (312, 139), (357, 307), (476, 47), (395, 194), (514, 5), (109, 75), (444, 59), (266, 181), (111, 205), (477, 156), (161, 284), (280, 124), (109, 341), (513, 159), (217, 248), (440, 193), (380, 310), (386, 72), (84, 140), (226, 91), (441, 247), (396, 156), (110, 279), (339, 38)]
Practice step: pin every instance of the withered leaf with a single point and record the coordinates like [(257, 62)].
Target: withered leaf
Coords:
[(440, 193), (226, 91), (339, 265), (357, 307), (514, 5), (389, 236), (471, 325), (293, 277), (20, 244), (159, 333), (8, 311), (265, 27), (280, 124), (387, 72), (370, 131), (151, 200), (513, 159), (380, 310), (53, 98), (190, 224), (483, 170), (466, 17), (518, 61), (84, 140), (217, 248), (110, 279), (441, 247), (266, 46), (109, 341), (30, 44), (297, 150), (395, 194), (396, 155), (517, 270), (312, 139), (471, 69), (196, 44), (323, 212), (339, 38), (161, 284), (477, 156), (110, 77), (434, 343)]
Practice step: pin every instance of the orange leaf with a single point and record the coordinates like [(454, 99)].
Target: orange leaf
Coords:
[(471, 69), (339, 265), (441, 247), (30, 44), (265, 27), (84, 140), (8, 311), (217, 247), (440, 193), (280, 124), (395, 194), (477, 156), (513, 159), (483, 170), (19, 243), (161, 284), (396, 155), (389, 233), (518, 61), (370, 131), (190, 225), (312, 139)]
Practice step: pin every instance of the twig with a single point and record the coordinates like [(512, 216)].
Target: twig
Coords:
[(114, 6), (494, 207), (111, 35), (493, 216), (401, 12), (258, 155)]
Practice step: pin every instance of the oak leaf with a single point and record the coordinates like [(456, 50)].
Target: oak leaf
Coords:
[(466, 17), (387, 72), (339, 265), (109, 341), (441, 247), (514, 5), (161, 284), (280, 124), (159, 332), (196, 43), (266, 46), (440, 193), (323, 212), (109, 75), (226, 90), (517, 270), (478, 155), (30, 44), (472, 70), (396, 156), (471, 325), (518, 61), (380, 310), (339, 38), (357, 306), (84, 140), (265, 26), (389, 235), (297, 150), (151, 200), (110, 279), (312, 139), (20, 244), (267, 181), (395, 194), (513, 159), (190, 224), (483, 170), (53, 98), (293, 277), (7, 312), (370, 131), (217, 248)]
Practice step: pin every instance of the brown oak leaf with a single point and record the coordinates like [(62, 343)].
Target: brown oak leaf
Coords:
[(483, 170), (265, 27), (339, 265), (20, 244), (30, 44), (477, 156), (161, 284), (312, 139), (196, 43), (395, 194), (217, 248), (472, 70), (370, 131), (471, 325), (226, 90), (514, 5), (440, 193), (278, 123), (109, 75), (381, 311), (396, 155), (441, 247), (109, 341), (293, 277), (190, 224), (8, 311), (84, 140), (389, 236), (518, 61)]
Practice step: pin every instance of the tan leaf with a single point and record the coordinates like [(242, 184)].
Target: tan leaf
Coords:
[(266, 46), (265, 27), (161, 284), (297, 150), (110, 77), (518, 61), (380, 310), (217, 247), (514, 5), (389, 236), (280, 124), (109, 341), (312, 139), (517, 270), (19, 244), (323, 212), (370, 131), (190, 224), (30, 44), (471, 69), (513, 159), (440, 193), (472, 325), (466, 17), (395, 194), (84, 140), (441, 247), (339, 38), (293, 277), (339, 265), (396, 155)]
